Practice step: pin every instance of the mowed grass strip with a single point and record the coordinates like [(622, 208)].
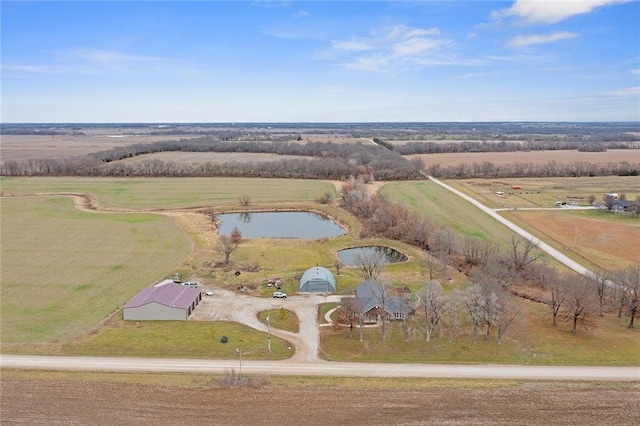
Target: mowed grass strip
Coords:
[(147, 193), (63, 270), (444, 207)]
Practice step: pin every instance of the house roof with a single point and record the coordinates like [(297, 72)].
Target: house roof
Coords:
[(370, 295), (171, 295)]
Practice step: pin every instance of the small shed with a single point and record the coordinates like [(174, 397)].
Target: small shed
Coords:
[(317, 280), (166, 302), (516, 186)]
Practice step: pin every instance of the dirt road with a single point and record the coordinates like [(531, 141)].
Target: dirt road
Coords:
[(321, 368)]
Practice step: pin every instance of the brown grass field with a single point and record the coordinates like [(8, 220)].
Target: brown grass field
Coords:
[(120, 399), (561, 157), (604, 243)]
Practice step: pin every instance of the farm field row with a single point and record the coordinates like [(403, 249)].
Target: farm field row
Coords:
[(164, 193), (535, 157)]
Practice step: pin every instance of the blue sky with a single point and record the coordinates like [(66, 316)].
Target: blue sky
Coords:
[(293, 61)]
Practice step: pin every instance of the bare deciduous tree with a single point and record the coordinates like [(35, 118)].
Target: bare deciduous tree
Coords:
[(226, 247), (244, 200), (434, 267), (477, 252), (211, 214), (236, 236), (600, 283), (629, 281), (370, 263), (557, 286), (522, 253), (339, 264), (578, 304), (434, 304), (475, 302)]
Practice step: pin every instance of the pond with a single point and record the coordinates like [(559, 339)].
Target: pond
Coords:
[(301, 225), (385, 254)]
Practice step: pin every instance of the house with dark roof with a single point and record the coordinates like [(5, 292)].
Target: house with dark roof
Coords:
[(317, 280), (373, 303), (169, 301), (625, 206)]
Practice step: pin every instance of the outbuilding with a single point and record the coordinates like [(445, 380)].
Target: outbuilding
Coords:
[(317, 280), (166, 302)]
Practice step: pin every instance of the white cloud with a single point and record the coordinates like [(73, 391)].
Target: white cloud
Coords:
[(301, 14), (392, 49), (528, 40), (635, 71), (413, 46), (550, 11), (352, 45), (627, 91)]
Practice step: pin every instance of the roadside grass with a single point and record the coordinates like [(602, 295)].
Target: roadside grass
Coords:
[(191, 380), (164, 339), (282, 319), (149, 193), (532, 341), (64, 271)]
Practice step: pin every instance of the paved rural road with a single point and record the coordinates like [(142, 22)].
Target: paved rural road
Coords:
[(320, 368), (541, 244)]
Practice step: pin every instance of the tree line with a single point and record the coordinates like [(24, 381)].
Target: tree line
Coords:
[(318, 160)]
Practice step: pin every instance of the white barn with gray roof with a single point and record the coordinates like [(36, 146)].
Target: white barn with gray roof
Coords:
[(166, 302)]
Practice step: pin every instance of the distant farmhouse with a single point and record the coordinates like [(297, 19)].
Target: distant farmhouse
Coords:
[(373, 303), (625, 206), (165, 301), (317, 280)]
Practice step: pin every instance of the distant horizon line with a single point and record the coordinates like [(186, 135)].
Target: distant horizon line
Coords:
[(160, 123)]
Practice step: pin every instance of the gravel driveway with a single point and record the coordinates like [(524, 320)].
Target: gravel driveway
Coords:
[(225, 305)]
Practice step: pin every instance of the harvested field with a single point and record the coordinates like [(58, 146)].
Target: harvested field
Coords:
[(536, 157), (607, 244), (68, 401), (19, 148)]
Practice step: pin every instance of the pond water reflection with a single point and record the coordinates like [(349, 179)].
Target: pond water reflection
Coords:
[(301, 225), (385, 254)]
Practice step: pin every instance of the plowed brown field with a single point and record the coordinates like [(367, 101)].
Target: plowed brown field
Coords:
[(91, 403), (608, 244)]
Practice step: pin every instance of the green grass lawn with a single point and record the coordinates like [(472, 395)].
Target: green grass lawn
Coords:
[(446, 208), (64, 270), (144, 193), (532, 341)]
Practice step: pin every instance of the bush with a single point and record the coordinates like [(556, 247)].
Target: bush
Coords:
[(224, 339)]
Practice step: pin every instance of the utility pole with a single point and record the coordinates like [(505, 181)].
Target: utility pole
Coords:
[(239, 352), (269, 331)]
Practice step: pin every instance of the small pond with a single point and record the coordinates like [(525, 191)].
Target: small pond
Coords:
[(301, 225), (385, 254)]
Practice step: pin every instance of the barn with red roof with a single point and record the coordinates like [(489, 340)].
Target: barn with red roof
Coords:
[(163, 302)]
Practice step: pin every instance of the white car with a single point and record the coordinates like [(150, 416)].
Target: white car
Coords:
[(279, 295)]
